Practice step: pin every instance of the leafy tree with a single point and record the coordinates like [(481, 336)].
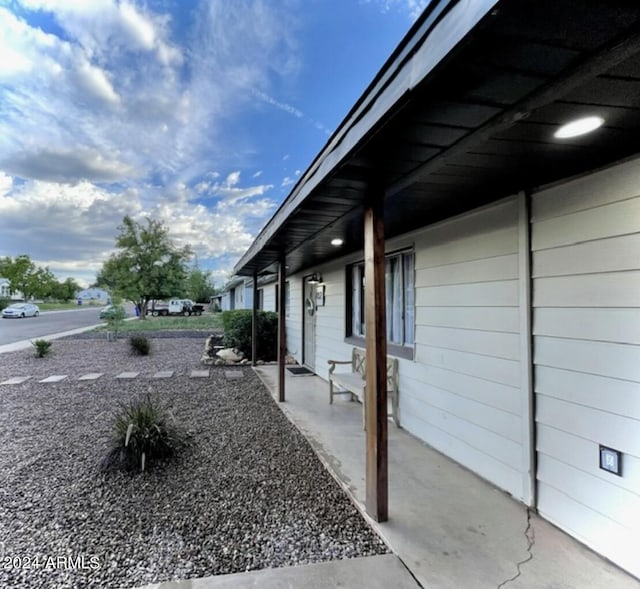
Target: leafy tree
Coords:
[(41, 283), (200, 285), (147, 266), (65, 291), (19, 271)]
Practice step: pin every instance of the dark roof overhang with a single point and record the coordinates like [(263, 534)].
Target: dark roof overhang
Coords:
[(463, 113)]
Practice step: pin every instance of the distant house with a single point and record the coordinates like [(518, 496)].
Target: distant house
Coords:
[(94, 294), (216, 302), (238, 293), (5, 291)]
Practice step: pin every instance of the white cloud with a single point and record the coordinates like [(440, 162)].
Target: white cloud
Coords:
[(67, 165), (6, 184), (96, 82), (231, 193), (35, 214), (112, 112), (292, 110), (413, 8)]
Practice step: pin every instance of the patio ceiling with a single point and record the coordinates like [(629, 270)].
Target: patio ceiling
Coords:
[(463, 113)]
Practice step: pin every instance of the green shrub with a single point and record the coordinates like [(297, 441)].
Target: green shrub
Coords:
[(140, 345), (145, 433), (42, 346), (115, 319), (4, 303), (237, 332)]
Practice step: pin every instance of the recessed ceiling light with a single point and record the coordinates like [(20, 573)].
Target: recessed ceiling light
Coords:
[(578, 127), (337, 241)]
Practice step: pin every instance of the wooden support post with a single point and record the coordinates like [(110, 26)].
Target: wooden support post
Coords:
[(377, 493), (254, 321), (282, 340)]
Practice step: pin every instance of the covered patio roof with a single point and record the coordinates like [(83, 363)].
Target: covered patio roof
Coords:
[(463, 113)]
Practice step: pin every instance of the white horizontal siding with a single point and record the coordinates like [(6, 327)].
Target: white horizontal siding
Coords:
[(602, 427), (487, 343), (463, 393), (330, 321), (477, 389), (619, 218), (489, 269), (465, 443), (482, 294), (497, 370), (586, 325), (621, 397), (615, 289), (269, 297), (579, 452), (608, 499), (611, 539), (603, 358), (504, 319), (603, 255), (608, 325), (614, 184)]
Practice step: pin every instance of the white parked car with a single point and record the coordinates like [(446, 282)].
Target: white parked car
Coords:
[(20, 311)]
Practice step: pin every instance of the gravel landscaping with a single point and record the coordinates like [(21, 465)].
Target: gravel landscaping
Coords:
[(248, 494)]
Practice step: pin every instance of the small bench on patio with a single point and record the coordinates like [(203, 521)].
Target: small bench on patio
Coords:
[(353, 382)]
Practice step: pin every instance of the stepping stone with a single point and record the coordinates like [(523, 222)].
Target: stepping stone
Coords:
[(163, 374), (231, 374), (91, 376), (199, 374), (16, 380), (54, 378), (127, 375)]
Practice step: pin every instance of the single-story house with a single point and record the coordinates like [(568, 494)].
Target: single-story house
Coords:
[(93, 294), (497, 249), (5, 291), (238, 293)]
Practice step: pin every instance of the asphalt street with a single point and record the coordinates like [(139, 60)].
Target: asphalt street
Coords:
[(48, 323)]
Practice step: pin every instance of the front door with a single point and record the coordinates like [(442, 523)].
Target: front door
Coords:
[(309, 310)]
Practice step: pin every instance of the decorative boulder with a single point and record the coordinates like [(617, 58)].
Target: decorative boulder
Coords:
[(230, 355), (206, 359)]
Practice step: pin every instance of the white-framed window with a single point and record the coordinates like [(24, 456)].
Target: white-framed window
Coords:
[(399, 299)]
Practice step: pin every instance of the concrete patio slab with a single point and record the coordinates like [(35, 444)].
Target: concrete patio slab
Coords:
[(163, 374), (91, 376), (54, 378), (372, 572), (451, 528), (199, 374), (16, 380), (127, 375)]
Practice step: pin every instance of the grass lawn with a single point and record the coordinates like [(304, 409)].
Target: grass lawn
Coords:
[(206, 321), (64, 306)]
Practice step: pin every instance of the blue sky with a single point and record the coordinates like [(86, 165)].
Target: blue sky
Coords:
[(199, 113)]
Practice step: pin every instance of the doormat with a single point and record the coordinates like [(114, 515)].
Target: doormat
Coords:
[(299, 370)]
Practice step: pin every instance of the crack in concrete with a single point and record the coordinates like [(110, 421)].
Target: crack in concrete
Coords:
[(529, 534)]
